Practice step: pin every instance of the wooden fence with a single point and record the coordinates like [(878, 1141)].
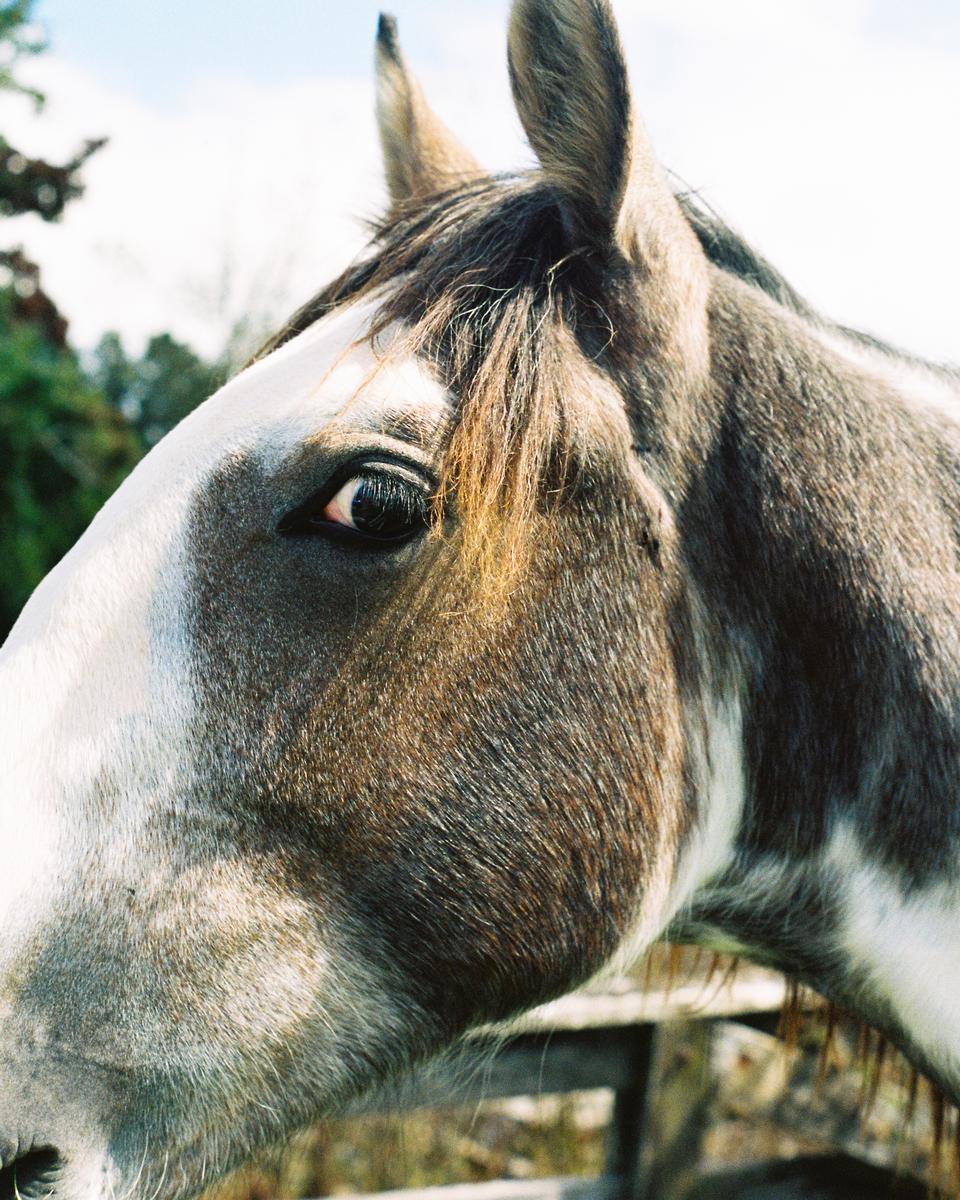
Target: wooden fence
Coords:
[(652, 1049)]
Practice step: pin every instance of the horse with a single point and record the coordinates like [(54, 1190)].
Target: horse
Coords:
[(556, 581)]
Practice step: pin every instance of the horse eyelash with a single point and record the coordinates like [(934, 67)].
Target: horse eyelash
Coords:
[(390, 483)]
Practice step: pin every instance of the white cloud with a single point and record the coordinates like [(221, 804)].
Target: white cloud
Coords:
[(243, 199), (831, 149)]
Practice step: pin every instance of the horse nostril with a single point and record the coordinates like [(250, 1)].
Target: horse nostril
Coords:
[(30, 1176)]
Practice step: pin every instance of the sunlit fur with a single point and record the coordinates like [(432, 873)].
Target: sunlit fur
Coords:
[(677, 655)]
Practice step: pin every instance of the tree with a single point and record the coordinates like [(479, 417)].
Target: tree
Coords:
[(31, 184), (157, 390), (63, 447)]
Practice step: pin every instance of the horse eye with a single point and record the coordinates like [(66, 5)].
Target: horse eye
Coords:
[(376, 506), (380, 505)]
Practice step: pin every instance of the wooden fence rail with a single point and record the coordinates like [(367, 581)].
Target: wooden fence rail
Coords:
[(653, 1050)]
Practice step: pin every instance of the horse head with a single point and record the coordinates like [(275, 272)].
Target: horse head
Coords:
[(414, 676)]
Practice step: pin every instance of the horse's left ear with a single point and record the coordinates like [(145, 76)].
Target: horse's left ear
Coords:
[(421, 156), (570, 84)]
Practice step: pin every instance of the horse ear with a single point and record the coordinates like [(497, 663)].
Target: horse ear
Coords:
[(420, 154), (571, 89)]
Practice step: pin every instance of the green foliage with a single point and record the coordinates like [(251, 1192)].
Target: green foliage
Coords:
[(157, 390), (17, 40), (63, 448)]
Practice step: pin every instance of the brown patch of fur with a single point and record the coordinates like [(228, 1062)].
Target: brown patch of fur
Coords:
[(475, 828)]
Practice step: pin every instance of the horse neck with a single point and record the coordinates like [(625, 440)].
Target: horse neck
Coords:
[(825, 535)]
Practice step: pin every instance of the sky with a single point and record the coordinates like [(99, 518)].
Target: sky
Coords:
[(243, 156)]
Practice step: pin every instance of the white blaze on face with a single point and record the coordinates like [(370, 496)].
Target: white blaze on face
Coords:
[(95, 700)]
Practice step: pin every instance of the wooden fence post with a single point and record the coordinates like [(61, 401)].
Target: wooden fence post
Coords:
[(681, 1088), (627, 1123)]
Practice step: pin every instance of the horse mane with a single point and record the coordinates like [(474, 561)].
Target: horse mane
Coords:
[(484, 281), (722, 245)]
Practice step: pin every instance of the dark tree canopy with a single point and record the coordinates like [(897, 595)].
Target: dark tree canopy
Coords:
[(30, 185)]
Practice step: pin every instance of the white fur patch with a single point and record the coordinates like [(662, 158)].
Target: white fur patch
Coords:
[(717, 749), (908, 946), (920, 386), (722, 789)]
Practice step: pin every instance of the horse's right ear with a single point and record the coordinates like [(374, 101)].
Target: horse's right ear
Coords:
[(421, 156), (570, 85)]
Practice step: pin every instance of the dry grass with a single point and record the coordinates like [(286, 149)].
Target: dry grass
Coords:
[(494, 1140)]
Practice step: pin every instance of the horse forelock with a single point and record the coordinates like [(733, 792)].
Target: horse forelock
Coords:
[(528, 337)]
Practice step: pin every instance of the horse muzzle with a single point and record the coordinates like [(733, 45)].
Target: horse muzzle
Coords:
[(53, 1140)]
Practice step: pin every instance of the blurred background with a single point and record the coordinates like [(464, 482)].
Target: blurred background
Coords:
[(175, 177)]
